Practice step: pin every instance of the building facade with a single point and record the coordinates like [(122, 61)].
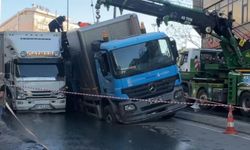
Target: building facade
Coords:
[(241, 14), (34, 19)]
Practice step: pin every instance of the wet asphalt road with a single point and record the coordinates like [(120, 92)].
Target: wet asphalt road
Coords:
[(75, 131), (78, 132)]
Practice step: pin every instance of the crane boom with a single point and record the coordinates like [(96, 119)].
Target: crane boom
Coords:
[(163, 9), (213, 23)]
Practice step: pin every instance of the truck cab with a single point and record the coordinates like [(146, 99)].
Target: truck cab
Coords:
[(34, 71), (204, 56), (141, 67)]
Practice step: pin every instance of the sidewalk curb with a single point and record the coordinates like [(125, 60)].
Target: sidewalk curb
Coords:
[(211, 120)]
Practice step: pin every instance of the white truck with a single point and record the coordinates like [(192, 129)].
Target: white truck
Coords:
[(186, 57), (33, 71)]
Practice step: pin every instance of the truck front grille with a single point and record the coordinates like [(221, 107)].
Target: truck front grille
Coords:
[(152, 89), (41, 93)]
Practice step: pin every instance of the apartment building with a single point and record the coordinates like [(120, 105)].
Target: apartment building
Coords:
[(36, 19), (241, 13)]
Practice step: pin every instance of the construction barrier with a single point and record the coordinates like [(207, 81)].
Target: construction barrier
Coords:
[(202, 102)]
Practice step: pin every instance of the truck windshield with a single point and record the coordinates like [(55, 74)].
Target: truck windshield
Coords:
[(142, 58), (39, 70)]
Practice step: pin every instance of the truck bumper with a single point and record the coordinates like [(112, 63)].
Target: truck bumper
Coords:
[(40, 105), (145, 110)]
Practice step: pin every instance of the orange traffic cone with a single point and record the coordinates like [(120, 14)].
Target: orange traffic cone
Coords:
[(230, 122)]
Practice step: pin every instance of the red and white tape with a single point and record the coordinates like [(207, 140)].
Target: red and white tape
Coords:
[(201, 102)]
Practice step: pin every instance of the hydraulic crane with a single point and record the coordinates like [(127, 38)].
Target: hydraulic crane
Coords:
[(236, 50), (205, 22)]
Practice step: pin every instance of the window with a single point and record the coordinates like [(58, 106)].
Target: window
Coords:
[(142, 57), (39, 70), (244, 11)]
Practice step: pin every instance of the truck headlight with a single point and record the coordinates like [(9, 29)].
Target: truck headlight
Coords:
[(130, 107), (62, 101), (178, 94), (60, 95), (21, 94)]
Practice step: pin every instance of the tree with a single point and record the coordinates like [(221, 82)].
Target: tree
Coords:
[(184, 35)]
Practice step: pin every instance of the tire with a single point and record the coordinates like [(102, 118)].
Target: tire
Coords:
[(202, 94), (109, 115), (169, 116), (245, 103)]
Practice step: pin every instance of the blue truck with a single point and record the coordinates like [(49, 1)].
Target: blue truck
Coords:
[(113, 58)]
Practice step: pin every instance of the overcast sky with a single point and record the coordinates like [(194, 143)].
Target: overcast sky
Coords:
[(79, 10)]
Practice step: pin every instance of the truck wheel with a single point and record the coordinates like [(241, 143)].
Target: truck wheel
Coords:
[(202, 94), (109, 115), (245, 103)]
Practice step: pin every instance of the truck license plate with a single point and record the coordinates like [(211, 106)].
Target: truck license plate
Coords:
[(43, 107)]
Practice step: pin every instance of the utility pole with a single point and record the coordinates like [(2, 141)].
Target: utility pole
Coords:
[(114, 14), (67, 15), (0, 12)]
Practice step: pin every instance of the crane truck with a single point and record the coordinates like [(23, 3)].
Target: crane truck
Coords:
[(207, 83), (114, 59), (33, 71)]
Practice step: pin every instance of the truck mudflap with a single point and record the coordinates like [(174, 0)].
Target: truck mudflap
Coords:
[(145, 110)]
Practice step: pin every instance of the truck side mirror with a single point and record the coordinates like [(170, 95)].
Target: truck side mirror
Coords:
[(7, 71), (174, 48)]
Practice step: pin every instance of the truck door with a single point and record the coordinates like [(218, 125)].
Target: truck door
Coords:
[(105, 77), (183, 63), (191, 56)]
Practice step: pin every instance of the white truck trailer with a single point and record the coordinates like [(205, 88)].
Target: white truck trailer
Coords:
[(33, 71)]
